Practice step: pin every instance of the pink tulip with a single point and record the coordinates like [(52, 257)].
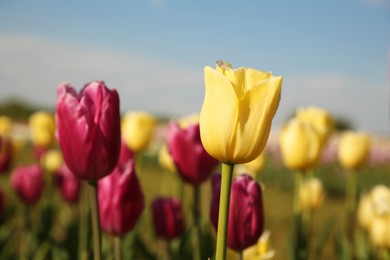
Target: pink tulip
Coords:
[(28, 183), (88, 129), (121, 200), (246, 214), (68, 184), (6, 152), (194, 164), (168, 218), (125, 154)]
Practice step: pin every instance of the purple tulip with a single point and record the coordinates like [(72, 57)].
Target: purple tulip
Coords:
[(6, 152), (68, 184), (28, 183), (168, 217), (121, 200), (194, 164), (88, 129), (246, 214)]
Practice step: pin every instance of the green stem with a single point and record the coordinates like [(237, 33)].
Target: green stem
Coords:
[(240, 255), (83, 223), (351, 203), (223, 216), (196, 216), (118, 247), (97, 239), (300, 231)]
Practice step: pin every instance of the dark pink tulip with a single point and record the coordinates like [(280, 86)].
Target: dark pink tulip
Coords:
[(246, 214), (88, 129), (2, 203), (39, 151), (121, 200), (194, 164), (68, 184), (125, 155), (168, 218), (6, 152), (28, 183)]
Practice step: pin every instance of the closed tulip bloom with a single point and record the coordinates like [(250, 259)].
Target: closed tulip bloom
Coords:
[(42, 126), (365, 213), (320, 119), (237, 112), (312, 194), (165, 159), (168, 218), (52, 160), (28, 183), (5, 126), (253, 167), (125, 155), (137, 130), (191, 119), (68, 184), (88, 129), (246, 213), (380, 231), (300, 145), (353, 149), (192, 161)]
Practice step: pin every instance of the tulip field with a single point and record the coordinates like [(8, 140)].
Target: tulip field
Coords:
[(86, 181)]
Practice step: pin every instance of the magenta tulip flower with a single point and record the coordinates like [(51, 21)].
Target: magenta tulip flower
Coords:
[(68, 184), (246, 214), (168, 218), (121, 200), (6, 152), (28, 183), (125, 155), (88, 129), (192, 161)]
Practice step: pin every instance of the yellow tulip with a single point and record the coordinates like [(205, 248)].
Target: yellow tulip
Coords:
[(237, 112), (5, 126), (300, 145), (380, 200), (188, 120), (253, 167), (380, 231), (365, 213), (42, 126), (52, 160), (319, 118), (261, 250), (312, 194), (137, 130), (165, 160), (353, 149)]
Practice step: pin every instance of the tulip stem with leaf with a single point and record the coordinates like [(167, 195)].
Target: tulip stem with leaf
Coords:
[(196, 216), (97, 238), (83, 224), (118, 247), (224, 203)]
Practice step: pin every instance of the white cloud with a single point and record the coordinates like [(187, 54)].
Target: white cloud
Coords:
[(32, 67), (377, 3)]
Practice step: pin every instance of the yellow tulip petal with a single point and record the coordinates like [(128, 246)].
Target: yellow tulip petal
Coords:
[(218, 115), (237, 79), (253, 76)]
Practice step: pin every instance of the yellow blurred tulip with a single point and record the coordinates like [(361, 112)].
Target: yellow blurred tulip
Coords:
[(42, 127), (312, 194), (184, 122), (261, 250), (380, 231), (52, 160), (253, 167), (165, 160), (365, 213), (300, 145), (319, 118), (353, 149), (5, 126), (137, 130), (237, 112)]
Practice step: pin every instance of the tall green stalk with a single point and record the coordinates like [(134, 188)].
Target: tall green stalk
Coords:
[(97, 239), (223, 216), (118, 247), (196, 216), (351, 203), (300, 239)]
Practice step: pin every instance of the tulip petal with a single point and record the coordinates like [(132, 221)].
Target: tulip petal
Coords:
[(253, 76), (256, 111), (219, 112)]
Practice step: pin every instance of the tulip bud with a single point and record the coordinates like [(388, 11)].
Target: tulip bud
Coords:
[(121, 200), (192, 161), (320, 119), (380, 231), (237, 112), (300, 145), (192, 119), (365, 213), (312, 194), (89, 129), (168, 218), (42, 126), (353, 149), (5, 126), (262, 250), (52, 160), (253, 167), (6, 153), (137, 130), (28, 183), (380, 200), (68, 184), (125, 155), (246, 213), (165, 160)]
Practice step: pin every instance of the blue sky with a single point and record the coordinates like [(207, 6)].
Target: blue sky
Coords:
[(332, 54)]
